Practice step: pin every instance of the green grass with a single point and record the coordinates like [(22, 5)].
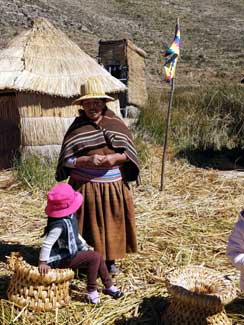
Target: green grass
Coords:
[(142, 149), (35, 172), (201, 118)]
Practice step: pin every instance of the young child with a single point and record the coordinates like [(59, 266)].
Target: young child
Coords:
[(62, 247), (235, 247)]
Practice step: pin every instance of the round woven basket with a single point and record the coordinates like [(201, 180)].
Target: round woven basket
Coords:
[(40, 293), (197, 296)]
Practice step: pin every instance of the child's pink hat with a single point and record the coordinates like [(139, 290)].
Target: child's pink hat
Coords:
[(62, 200)]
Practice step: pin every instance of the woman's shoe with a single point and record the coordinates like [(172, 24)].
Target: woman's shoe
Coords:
[(112, 267), (113, 292)]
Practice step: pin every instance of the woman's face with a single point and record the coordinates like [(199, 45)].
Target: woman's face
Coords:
[(93, 108)]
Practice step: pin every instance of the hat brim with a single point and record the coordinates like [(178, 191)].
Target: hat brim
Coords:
[(80, 100), (65, 212)]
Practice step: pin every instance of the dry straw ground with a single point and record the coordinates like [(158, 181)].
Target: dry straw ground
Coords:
[(188, 223)]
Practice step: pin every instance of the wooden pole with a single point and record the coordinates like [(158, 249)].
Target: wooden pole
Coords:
[(166, 134)]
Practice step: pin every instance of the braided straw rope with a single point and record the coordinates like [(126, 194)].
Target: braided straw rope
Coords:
[(39, 293), (198, 295)]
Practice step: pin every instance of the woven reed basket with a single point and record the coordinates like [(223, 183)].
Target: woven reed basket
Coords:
[(198, 295), (39, 293)]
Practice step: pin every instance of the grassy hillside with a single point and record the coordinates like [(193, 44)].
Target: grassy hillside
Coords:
[(202, 118), (212, 31)]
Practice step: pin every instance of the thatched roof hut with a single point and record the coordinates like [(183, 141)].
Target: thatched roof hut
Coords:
[(41, 72), (125, 61)]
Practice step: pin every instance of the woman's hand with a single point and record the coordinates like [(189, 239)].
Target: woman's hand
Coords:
[(96, 160), (101, 160), (89, 161), (113, 159), (43, 268), (109, 160)]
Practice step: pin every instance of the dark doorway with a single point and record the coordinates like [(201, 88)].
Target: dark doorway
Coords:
[(9, 129)]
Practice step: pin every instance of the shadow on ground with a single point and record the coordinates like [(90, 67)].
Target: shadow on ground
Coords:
[(29, 253), (235, 310), (4, 282), (225, 159), (150, 311)]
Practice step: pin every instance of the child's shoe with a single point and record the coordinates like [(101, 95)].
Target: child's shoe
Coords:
[(93, 297), (114, 292)]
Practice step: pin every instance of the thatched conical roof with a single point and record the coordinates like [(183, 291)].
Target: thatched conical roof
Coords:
[(43, 59)]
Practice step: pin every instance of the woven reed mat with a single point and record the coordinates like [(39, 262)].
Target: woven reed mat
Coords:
[(40, 293), (197, 296)]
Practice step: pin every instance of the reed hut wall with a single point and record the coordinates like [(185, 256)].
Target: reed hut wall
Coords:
[(44, 119), (114, 105), (137, 91), (50, 151), (124, 53), (35, 123)]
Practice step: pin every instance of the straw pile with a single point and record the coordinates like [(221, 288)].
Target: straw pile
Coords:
[(198, 295), (40, 293), (189, 223), (7, 179), (43, 59)]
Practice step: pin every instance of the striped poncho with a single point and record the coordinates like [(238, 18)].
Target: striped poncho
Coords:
[(83, 134)]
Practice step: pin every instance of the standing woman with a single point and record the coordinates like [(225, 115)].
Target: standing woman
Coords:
[(99, 157)]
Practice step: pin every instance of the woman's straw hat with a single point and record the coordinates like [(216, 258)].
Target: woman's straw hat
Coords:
[(92, 89)]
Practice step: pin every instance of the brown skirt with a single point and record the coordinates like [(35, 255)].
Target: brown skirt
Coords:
[(106, 218)]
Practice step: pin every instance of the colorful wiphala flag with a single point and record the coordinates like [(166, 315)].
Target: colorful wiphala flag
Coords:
[(172, 55)]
